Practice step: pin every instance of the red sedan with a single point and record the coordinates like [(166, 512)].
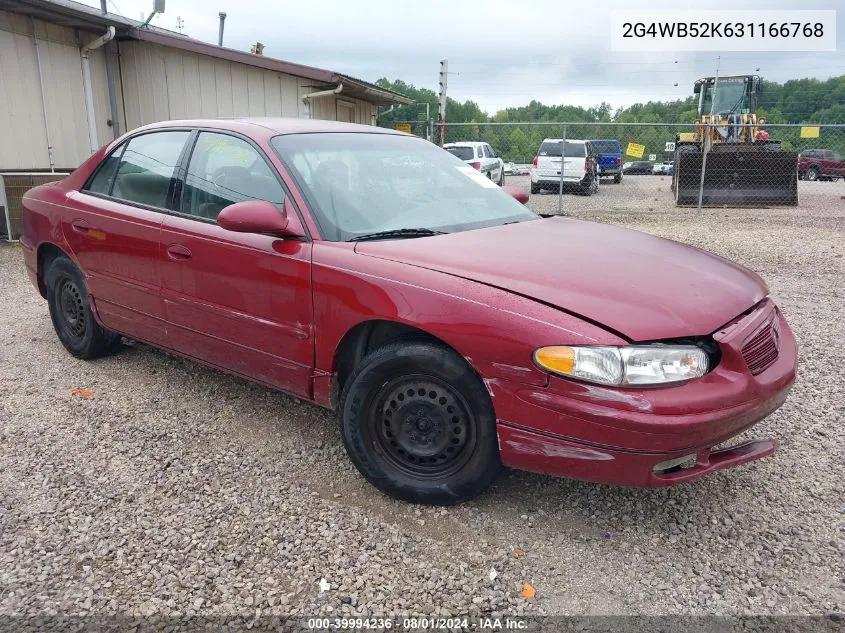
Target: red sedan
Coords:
[(453, 330)]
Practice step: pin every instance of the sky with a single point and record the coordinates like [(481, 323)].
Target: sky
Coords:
[(501, 53)]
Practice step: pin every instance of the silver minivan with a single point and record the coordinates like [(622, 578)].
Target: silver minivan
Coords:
[(579, 166)]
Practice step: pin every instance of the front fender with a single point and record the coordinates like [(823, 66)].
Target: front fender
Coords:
[(494, 330)]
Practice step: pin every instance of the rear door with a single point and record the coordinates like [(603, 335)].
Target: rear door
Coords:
[(548, 159), (575, 159), (240, 301), (831, 164), (115, 228), (838, 166)]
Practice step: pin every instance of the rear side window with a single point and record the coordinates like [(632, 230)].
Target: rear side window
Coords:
[(224, 170), (553, 148), (606, 147), (464, 153), (101, 182), (145, 174)]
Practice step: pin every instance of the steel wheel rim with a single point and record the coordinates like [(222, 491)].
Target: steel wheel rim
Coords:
[(71, 309), (422, 427)]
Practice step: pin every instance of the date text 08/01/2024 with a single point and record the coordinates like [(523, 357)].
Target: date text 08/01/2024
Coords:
[(417, 624)]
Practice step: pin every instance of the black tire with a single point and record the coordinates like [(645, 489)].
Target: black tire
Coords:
[(617, 178), (535, 188), (502, 178), (418, 423), (70, 312), (812, 174), (591, 187)]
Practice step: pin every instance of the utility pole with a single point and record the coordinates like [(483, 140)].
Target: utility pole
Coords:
[(705, 145), (444, 75)]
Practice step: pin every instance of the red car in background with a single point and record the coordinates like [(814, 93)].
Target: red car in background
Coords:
[(453, 329), (820, 164)]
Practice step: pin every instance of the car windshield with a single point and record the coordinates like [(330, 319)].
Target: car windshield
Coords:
[(464, 153), (607, 147), (359, 184), (552, 148)]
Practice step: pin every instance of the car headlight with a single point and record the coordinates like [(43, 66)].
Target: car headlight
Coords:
[(632, 365)]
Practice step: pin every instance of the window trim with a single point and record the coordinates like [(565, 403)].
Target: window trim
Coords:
[(122, 147), (182, 173)]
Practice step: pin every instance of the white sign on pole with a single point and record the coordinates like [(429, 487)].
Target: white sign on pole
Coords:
[(652, 156), (670, 146)]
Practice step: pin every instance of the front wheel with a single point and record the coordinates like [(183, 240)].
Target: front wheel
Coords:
[(70, 311), (813, 174), (418, 423)]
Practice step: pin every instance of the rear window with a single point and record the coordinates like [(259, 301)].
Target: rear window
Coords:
[(552, 148), (606, 147), (464, 153)]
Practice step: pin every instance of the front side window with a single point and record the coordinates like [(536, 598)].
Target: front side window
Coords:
[(145, 174), (224, 170), (360, 183)]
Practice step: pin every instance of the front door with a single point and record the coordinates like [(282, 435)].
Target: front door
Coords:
[(114, 230), (239, 301)]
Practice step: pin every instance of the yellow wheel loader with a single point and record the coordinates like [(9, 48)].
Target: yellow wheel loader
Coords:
[(742, 166)]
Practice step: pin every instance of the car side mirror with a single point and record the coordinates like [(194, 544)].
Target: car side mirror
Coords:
[(517, 193), (259, 216)]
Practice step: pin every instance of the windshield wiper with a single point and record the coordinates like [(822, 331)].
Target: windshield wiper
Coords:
[(398, 233)]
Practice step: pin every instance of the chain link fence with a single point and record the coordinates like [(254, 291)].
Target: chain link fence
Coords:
[(637, 165)]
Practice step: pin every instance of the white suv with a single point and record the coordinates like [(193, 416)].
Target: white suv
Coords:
[(481, 156), (579, 169)]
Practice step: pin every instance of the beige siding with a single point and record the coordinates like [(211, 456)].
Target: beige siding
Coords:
[(163, 83), (154, 83), (23, 133)]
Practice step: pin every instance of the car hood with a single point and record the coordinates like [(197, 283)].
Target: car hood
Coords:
[(635, 284)]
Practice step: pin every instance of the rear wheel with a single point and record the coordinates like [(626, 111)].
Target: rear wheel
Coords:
[(418, 423), (535, 188), (591, 187), (813, 174), (617, 178), (70, 312)]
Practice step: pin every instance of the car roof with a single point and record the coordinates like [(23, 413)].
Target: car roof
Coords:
[(277, 125), (465, 144), (569, 140)]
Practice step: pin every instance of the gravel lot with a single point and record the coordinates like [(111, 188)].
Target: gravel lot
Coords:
[(175, 488)]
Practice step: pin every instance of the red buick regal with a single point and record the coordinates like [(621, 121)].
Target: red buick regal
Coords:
[(452, 329)]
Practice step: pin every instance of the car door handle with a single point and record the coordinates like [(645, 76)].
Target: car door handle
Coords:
[(80, 226), (178, 253)]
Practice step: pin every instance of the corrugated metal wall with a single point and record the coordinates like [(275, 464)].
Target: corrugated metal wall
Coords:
[(159, 82), (162, 83), (23, 134)]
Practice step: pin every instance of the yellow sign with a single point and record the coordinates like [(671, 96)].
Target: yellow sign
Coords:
[(635, 150), (403, 127), (809, 132)]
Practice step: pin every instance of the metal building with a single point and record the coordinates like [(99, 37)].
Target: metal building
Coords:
[(58, 104)]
